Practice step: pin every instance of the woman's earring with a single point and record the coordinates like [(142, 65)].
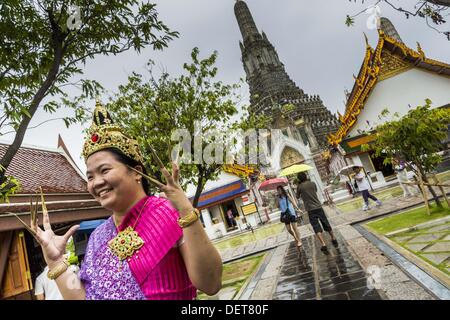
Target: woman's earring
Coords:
[(139, 181)]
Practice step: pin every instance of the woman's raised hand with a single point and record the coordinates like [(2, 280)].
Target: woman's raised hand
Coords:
[(172, 189), (53, 246)]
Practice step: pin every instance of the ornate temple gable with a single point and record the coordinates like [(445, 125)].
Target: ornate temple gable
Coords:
[(392, 65), (390, 58), (290, 156)]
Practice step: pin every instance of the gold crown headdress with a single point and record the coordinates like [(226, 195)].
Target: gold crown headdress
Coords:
[(104, 134)]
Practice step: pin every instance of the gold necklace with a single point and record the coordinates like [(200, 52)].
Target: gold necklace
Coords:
[(127, 241)]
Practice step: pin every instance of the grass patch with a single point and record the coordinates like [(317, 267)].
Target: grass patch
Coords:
[(441, 266), (399, 239), (444, 176), (248, 236), (241, 268), (236, 273), (407, 219)]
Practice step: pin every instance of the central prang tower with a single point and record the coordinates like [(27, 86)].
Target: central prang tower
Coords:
[(270, 85)]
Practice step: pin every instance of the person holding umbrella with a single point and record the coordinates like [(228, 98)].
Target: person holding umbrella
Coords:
[(363, 186)]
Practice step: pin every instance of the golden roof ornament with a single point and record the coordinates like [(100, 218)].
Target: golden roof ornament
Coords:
[(104, 134), (367, 40), (419, 49)]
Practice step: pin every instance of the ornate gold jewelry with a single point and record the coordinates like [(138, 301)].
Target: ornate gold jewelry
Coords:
[(189, 219), (103, 134), (58, 270), (127, 241)]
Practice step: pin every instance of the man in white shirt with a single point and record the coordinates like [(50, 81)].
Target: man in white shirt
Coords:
[(402, 176), (46, 289), (363, 186)]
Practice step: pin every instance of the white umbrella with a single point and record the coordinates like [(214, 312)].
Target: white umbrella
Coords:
[(347, 170)]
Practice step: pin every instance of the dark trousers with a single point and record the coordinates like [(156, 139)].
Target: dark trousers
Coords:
[(366, 195)]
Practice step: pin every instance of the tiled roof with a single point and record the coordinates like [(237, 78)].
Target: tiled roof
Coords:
[(51, 205), (50, 170)]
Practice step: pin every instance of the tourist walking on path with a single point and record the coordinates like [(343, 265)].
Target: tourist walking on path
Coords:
[(288, 215), (307, 190), (363, 186), (402, 176)]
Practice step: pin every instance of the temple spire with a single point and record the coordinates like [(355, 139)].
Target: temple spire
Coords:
[(388, 28), (245, 20), (270, 85)]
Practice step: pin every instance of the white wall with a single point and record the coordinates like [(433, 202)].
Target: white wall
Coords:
[(218, 229), (215, 213), (409, 88), (238, 202), (337, 162)]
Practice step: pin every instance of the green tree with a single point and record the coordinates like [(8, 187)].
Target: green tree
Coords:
[(45, 44), (152, 109), (415, 138)]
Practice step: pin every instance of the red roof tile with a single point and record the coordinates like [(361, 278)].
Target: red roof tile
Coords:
[(50, 170)]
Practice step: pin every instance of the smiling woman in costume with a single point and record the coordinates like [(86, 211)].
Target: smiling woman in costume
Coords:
[(151, 247)]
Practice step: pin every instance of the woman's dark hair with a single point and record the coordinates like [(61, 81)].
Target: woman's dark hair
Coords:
[(119, 156), (301, 177), (283, 192)]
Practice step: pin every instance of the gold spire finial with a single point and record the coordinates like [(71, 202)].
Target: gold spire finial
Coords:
[(419, 49), (367, 40), (98, 101)]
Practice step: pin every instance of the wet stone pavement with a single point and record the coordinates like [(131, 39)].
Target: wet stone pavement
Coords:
[(310, 274)]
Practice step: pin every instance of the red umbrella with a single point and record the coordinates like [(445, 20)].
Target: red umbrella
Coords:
[(272, 184)]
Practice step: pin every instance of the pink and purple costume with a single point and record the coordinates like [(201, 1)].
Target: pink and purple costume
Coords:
[(156, 272)]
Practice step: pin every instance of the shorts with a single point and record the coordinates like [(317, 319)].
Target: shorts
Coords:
[(314, 217)]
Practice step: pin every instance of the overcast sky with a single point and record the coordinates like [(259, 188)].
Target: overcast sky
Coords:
[(319, 51)]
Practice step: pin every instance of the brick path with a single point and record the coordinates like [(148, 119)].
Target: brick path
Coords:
[(339, 275)]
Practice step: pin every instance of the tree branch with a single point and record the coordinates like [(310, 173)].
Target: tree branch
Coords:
[(57, 39), (403, 10), (36, 126)]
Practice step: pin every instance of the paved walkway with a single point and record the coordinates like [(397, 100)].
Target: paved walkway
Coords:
[(309, 274), (342, 274), (336, 219)]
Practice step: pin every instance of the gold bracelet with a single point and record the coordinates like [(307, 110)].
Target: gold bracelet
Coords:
[(58, 270), (189, 219)]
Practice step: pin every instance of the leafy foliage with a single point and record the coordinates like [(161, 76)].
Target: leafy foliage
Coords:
[(416, 138), (42, 51), (9, 187), (153, 109)]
